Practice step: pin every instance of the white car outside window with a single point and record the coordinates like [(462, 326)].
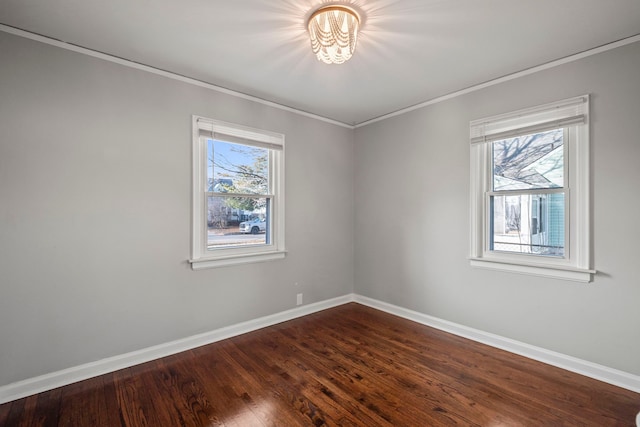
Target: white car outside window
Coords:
[(254, 226)]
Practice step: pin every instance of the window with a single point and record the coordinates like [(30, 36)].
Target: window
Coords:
[(530, 191), (238, 194)]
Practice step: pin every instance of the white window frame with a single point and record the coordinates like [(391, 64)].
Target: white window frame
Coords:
[(572, 115), (204, 129)]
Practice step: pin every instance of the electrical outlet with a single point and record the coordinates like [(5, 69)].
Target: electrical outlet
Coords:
[(299, 299)]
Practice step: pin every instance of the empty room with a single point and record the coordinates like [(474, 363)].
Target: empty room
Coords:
[(316, 213)]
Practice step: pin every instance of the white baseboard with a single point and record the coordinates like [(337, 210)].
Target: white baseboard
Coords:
[(569, 363), (64, 377)]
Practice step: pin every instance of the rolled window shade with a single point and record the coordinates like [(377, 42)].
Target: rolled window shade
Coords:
[(245, 141), (245, 136), (532, 120)]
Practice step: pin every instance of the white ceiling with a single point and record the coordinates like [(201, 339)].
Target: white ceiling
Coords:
[(409, 51)]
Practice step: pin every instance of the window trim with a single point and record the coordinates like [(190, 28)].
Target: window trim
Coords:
[(203, 129), (573, 115)]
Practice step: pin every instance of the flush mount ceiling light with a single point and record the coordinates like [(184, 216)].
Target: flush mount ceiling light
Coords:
[(333, 31)]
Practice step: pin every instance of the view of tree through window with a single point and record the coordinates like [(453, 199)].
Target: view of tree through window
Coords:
[(238, 194), (527, 204)]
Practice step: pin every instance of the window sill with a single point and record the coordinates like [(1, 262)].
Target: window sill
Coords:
[(541, 270), (246, 258)]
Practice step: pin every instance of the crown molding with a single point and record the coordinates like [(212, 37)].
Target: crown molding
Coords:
[(164, 73), (513, 76), (200, 83)]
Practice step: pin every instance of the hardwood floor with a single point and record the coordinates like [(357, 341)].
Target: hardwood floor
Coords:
[(348, 366)]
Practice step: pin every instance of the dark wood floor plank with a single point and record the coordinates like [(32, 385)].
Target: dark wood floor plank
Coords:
[(363, 360), (436, 369), (136, 407), (47, 412), (493, 369), (347, 366), (15, 415), (499, 369), (228, 407), (376, 380), (83, 403), (205, 387), (331, 379), (111, 400), (4, 413), (27, 412), (181, 388), (165, 400), (289, 395), (305, 390), (264, 400)]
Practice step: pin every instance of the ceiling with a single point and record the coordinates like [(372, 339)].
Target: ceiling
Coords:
[(409, 51)]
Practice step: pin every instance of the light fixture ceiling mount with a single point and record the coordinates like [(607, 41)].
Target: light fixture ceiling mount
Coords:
[(333, 30)]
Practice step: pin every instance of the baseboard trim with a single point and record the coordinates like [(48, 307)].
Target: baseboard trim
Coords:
[(592, 370), (64, 377)]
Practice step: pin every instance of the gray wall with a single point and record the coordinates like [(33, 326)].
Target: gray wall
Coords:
[(95, 200), (412, 217)]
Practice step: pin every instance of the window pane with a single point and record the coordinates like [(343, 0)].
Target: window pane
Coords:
[(237, 168), (528, 223), (233, 221), (529, 161)]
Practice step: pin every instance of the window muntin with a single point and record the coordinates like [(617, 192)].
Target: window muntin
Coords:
[(532, 217), (238, 197)]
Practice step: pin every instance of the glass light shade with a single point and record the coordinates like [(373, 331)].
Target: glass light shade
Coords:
[(333, 31)]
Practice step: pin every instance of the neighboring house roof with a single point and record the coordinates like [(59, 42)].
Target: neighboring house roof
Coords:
[(531, 161), (219, 185), (550, 167)]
